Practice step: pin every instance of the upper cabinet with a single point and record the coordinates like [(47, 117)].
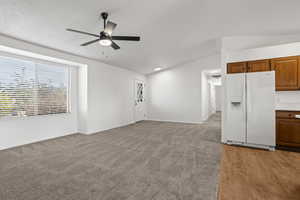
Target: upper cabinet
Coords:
[(259, 66), (287, 72), (251, 66), (239, 67)]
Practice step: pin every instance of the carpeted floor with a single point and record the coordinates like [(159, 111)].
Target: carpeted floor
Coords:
[(148, 160)]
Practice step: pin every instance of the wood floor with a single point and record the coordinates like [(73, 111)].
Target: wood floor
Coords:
[(250, 174)]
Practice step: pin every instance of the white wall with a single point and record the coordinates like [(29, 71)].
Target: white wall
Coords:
[(218, 92), (111, 97), (288, 100), (291, 49), (82, 99), (175, 94), (237, 43), (284, 100), (205, 96), (107, 102), (212, 100)]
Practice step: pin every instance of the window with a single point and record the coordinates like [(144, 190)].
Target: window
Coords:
[(29, 88), (140, 92)]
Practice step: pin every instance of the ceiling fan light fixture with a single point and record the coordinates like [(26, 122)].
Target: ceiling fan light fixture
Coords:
[(105, 37), (105, 42)]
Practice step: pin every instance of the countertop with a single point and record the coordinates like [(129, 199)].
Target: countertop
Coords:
[(288, 106), (288, 110)]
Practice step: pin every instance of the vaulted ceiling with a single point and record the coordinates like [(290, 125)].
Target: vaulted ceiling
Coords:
[(172, 31)]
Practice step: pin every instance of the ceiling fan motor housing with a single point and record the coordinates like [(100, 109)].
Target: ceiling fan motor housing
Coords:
[(104, 35)]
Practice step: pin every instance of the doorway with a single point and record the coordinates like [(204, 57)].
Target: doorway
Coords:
[(211, 90)]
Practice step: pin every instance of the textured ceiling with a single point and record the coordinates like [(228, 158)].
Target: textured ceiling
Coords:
[(172, 31)]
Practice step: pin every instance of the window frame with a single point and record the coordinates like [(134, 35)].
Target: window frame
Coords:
[(46, 62)]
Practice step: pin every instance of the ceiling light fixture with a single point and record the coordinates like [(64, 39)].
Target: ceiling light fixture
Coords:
[(157, 69), (105, 42)]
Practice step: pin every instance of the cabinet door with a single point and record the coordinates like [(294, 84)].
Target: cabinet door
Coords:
[(259, 66), (239, 67), (287, 72), (288, 132)]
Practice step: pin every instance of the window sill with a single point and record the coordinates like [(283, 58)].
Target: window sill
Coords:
[(34, 117)]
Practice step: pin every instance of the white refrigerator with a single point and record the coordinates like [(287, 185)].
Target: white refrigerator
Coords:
[(250, 109)]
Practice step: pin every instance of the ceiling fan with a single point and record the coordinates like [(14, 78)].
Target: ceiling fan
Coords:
[(105, 38)]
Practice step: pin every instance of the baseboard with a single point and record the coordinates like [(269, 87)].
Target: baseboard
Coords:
[(175, 121), (37, 141), (292, 149), (106, 129)]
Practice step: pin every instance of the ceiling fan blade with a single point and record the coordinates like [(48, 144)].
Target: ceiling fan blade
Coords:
[(82, 32), (115, 46), (90, 42), (127, 38), (110, 26)]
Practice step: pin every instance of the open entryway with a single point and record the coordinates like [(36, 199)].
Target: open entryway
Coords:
[(211, 89)]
